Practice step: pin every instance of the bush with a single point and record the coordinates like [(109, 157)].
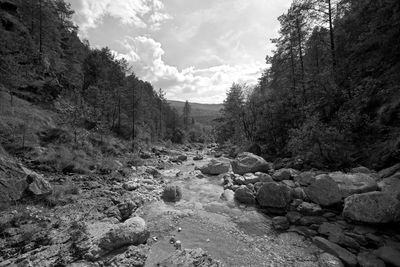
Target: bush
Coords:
[(320, 143)]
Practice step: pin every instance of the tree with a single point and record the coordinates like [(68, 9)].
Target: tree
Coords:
[(186, 114)]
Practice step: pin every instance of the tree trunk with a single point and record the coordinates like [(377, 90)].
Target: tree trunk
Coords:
[(332, 37), (298, 26)]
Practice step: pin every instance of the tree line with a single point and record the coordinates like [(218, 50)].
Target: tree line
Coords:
[(331, 93)]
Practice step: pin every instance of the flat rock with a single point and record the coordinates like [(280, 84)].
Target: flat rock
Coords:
[(215, 167), (367, 259), (347, 257), (311, 209), (354, 183), (284, 174), (274, 195), (327, 229), (388, 255), (323, 190), (328, 260), (389, 171), (373, 207), (247, 162)]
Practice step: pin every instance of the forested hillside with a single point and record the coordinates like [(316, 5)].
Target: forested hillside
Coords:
[(87, 91), (331, 96), (202, 113)]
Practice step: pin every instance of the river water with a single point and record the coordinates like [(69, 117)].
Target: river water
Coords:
[(234, 234)]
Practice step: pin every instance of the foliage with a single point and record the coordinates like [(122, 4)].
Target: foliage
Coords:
[(330, 94)]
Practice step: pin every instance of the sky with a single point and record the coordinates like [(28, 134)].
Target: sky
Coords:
[(192, 49)]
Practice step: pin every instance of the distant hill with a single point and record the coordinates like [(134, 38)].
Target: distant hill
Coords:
[(202, 113)]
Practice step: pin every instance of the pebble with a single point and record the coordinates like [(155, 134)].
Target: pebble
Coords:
[(178, 244), (179, 229)]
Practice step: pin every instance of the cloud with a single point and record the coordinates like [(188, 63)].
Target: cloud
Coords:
[(138, 13), (206, 85)]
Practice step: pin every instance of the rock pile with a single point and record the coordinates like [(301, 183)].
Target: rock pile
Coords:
[(326, 207)]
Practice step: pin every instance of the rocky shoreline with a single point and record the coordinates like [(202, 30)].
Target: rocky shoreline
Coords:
[(351, 217)]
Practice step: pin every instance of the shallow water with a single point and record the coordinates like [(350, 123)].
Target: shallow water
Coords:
[(234, 234)]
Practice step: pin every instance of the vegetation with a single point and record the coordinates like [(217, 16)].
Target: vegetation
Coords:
[(331, 93)]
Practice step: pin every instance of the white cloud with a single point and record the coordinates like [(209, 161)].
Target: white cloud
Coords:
[(207, 85), (139, 13)]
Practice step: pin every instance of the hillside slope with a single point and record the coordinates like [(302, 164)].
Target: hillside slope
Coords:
[(202, 113)]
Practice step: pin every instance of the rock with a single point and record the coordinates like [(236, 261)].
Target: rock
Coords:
[(246, 162), (130, 186), (309, 220), (361, 169), (304, 178), (344, 240), (302, 230), (172, 193), (198, 157), (284, 174), (274, 195), (293, 217), (126, 209), (182, 158), (289, 183), (12, 180), (239, 180), (250, 178), (323, 190), (348, 258), (133, 256), (228, 195), (101, 238), (215, 167), (329, 228), (189, 257), (389, 255), (245, 195), (280, 223), (257, 186), (37, 184), (145, 155), (154, 172), (389, 171), (366, 259), (298, 193), (132, 232), (311, 209), (373, 207), (328, 260), (264, 178), (355, 183), (390, 185)]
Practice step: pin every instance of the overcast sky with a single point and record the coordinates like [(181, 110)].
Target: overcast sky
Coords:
[(192, 49)]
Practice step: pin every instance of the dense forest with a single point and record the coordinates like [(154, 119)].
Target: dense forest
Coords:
[(331, 94)]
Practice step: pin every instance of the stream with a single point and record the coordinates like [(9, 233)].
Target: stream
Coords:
[(234, 234)]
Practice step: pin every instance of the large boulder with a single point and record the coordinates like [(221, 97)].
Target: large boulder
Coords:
[(104, 237), (347, 257), (172, 193), (37, 185), (354, 183), (373, 207), (245, 195), (12, 180), (274, 195), (389, 171), (246, 162), (390, 185), (215, 167), (189, 257), (323, 190), (389, 255)]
